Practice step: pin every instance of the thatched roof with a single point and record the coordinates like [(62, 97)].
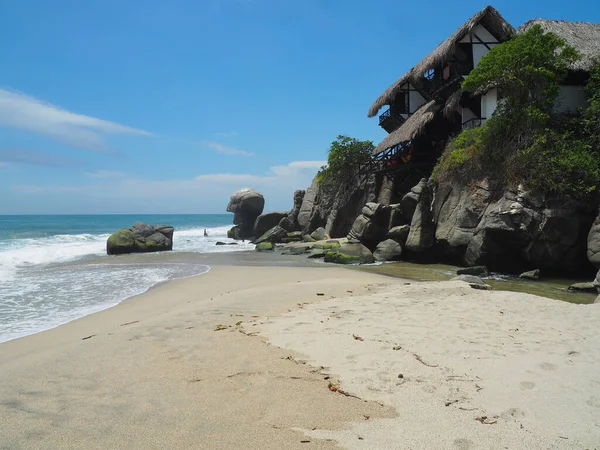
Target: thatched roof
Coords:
[(410, 129), (584, 36), (488, 17)]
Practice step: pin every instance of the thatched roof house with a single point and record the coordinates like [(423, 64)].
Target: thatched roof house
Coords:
[(488, 17), (583, 36)]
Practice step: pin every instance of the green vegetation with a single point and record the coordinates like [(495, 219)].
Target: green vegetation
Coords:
[(341, 258), (345, 156), (327, 246), (525, 141)]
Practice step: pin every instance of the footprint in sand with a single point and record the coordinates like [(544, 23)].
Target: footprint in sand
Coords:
[(463, 444), (594, 402), (548, 366), (527, 385), (512, 413)]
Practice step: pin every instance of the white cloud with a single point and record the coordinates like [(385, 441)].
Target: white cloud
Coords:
[(202, 194), (106, 174), (226, 150), (26, 113)]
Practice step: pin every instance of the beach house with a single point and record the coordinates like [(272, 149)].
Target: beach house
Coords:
[(426, 105)]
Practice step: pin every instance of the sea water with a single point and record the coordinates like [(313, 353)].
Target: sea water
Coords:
[(54, 269)]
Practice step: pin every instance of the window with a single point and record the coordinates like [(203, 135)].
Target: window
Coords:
[(429, 74)]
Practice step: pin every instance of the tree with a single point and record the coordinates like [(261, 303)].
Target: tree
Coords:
[(591, 115), (346, 155)]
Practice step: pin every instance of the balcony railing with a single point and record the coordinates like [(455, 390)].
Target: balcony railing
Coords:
[(390, 121), (443, 81), (473, 123)]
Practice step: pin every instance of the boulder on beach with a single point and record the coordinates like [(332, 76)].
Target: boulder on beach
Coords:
[(140, 238), (274, 235), (388, 250), (350, 254), (474, 282), (264, 247), (533, 275), (246, 205), (265, 222), (319, 234)]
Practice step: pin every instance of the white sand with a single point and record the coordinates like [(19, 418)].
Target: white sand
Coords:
[(155, 375), (527, 367)]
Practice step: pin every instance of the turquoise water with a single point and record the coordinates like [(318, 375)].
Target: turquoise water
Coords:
[(54, 269)]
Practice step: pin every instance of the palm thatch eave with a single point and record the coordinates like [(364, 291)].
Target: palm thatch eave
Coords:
[(494, 22), (413, 127)]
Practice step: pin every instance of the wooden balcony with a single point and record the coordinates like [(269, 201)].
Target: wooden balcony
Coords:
[(390, 121), (442, 82)]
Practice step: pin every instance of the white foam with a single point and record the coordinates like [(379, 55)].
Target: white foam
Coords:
[(21, 253)]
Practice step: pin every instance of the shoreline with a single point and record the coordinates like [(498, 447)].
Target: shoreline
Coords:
[(153, 368), (66, 386)]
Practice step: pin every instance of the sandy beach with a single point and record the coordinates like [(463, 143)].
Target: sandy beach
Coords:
[(309, 358)]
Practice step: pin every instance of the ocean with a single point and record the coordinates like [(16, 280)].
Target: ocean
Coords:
[(54, 269)]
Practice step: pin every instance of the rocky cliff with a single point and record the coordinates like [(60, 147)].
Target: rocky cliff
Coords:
[(475, 224)]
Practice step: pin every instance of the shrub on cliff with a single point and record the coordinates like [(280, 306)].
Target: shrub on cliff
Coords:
[(524, 141), (346, 155)]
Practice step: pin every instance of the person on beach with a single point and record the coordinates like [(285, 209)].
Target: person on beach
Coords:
[(205, 233)]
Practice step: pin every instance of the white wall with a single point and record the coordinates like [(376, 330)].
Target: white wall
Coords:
[(480, 50), (569, 99), (489, 101), (416, 100)]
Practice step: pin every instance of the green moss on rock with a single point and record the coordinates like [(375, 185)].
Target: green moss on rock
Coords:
[(264, 247), (341, 258), (330, 246)]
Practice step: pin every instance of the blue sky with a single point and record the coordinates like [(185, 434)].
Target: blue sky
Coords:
[(143, 106)]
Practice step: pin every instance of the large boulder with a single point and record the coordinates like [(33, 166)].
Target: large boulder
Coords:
[(421, 236), (399, 233), (593, 243), (335, 209), (309, 203), (363, 254), (140, 238), (388, 250), (533, 275), (265, 222), (246, 205), (295, 211), (274, 235), (319, 234), (371, 226), (510, 230)]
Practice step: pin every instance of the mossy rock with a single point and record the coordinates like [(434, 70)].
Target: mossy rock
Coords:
[(327, 246), (298, 250), (265, 247), (122, 238), (341, 258)]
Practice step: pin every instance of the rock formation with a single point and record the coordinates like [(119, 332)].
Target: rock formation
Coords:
[(140, 238), (265, 222), (246, 205)]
